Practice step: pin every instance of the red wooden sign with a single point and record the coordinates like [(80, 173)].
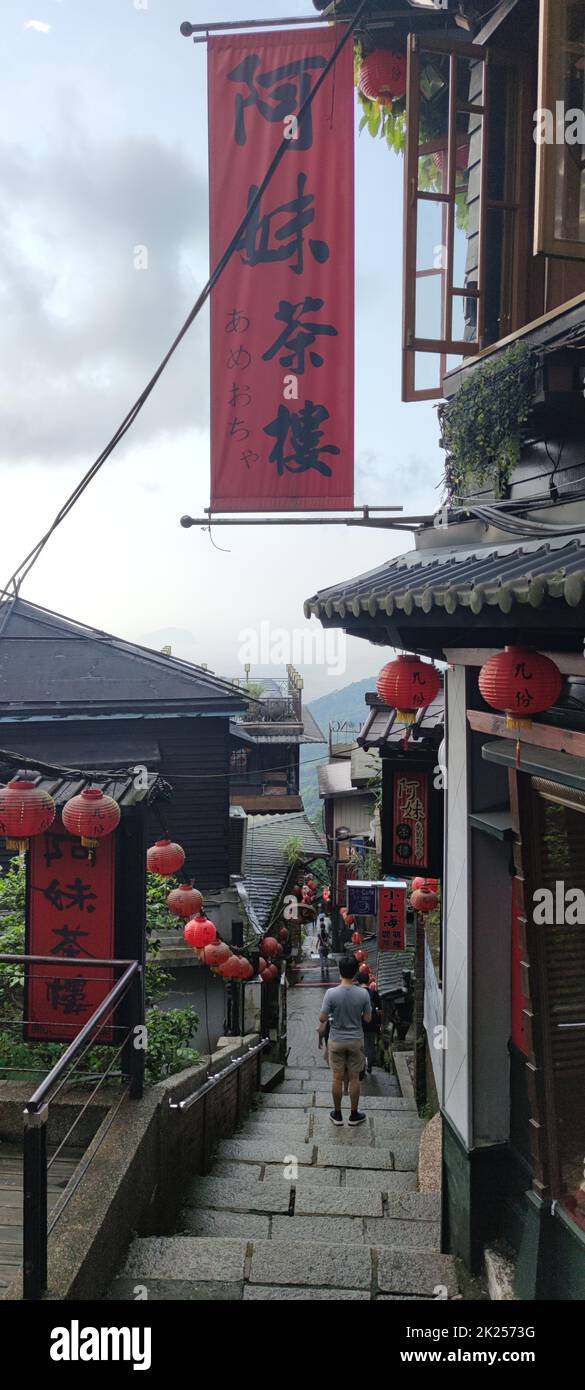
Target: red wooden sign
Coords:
[(391, 917), (282, 314), (410, 819), (70, 915)]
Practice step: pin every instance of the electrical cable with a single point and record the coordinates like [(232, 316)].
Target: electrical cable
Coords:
[(20, 573)]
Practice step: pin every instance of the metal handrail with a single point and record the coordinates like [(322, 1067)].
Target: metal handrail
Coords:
[(36, 1111), (183, 1105)]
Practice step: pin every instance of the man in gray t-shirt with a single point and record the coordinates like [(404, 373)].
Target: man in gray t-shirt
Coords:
[(346, 1008)]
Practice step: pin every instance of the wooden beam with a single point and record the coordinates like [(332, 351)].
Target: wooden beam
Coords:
[(568, 663), (540, 735)]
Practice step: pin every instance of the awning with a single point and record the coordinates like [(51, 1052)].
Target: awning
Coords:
[(549, 763)]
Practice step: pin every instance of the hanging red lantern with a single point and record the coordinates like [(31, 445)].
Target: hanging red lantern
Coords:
[(271, 973), (382, 76), (283, 933), (439, 157), (349, 920), (270, 946), (360, 955), (428, 885), (424, 902), (25, 810), (246, 969), (215, 954), (520, 683), (91, 815), (230, 968), (184, 901), (408, 685), (203, 933), (357, 938), (164, 858), (326, 895), (262, 965)]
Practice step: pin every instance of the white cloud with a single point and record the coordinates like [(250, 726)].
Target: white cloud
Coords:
[(38, 24)]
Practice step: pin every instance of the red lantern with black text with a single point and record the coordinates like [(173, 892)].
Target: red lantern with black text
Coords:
[(91, 815), (408, 685), (520, 683), (427, 885), (25, 810), (164, 858), (185, 901), (382, 76)]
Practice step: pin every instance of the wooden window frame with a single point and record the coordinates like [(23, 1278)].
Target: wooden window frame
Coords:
[(545, 241), (446, 346)]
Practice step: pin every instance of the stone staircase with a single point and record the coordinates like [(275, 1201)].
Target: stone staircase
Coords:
[(60, 1171), (297, 1209)]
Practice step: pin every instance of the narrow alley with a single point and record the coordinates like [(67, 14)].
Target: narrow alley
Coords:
[(296, 1209)]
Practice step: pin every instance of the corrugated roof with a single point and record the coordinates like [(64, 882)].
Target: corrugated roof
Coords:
[(267, 869), (126, 788), (51, 663), (470, 578), (335, 778)]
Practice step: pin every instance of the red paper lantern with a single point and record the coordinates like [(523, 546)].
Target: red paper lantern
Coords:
[(184, 901), (164, 858), (356, 938), (360, 955), (520, 683), (382, 76), (91, 815), (408, 685), (423, 902), (270, 946), (230, 969), (25, 810), (215, 954), (461, 155), (283, 933), (271, 973), (428, 885), (262, 965), (203, 934), (246, 969)]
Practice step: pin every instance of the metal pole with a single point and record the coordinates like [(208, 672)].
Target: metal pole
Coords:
[(377, 21), (34, 1204), (387, 523)]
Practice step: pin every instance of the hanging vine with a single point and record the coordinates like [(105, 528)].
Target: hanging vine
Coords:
[(483, 427)]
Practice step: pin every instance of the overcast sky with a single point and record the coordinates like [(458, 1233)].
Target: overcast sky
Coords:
[(103, 148)]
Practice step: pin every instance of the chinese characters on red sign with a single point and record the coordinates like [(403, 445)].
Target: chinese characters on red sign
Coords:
[(391, 917), (282, 314), (410, 819), (344, 871), (71, 915)]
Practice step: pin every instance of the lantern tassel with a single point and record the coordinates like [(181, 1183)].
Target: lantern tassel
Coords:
[(517, 754)]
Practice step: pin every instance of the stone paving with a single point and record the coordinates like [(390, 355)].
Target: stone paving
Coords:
[(296, 1209)]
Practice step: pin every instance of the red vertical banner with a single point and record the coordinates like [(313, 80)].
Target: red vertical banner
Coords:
[(70, 915), (282, 313), (391, 917), (410, 819)]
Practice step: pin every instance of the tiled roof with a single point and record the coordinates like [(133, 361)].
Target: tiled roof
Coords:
[(382, 729), (50, 663), (267, 869), (464, 577)]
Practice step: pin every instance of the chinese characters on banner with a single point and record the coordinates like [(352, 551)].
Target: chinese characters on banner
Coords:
[(344, 871), (410, 819), (282, 313), (391, 917), (71, 915)]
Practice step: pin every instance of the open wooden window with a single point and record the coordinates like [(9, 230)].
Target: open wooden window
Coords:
[(461, 208), (560, 166)]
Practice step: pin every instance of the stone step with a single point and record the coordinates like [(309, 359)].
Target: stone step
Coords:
[(388, 1103), (271, 1075), (277, 1263)]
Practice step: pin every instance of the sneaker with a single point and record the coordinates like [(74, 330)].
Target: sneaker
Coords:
[(336, 1117), (356, 1118)]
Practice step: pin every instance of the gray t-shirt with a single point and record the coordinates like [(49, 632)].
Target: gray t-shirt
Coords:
[(346, 1006)]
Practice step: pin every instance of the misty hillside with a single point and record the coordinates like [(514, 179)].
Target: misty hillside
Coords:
[(343, 706)]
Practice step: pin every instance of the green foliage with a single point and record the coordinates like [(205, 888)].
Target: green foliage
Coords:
[(484, 425), (292, 849), (168, 1033)]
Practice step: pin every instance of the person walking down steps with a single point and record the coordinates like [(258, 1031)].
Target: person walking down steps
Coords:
[(323, 944), (346, 1009)]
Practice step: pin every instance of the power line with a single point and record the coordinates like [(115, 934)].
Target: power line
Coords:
[(19, 575)]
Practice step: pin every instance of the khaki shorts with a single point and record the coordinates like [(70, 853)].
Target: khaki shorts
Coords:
[(346, 1056)]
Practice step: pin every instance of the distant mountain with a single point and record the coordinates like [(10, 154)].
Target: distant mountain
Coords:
[(345, 706)]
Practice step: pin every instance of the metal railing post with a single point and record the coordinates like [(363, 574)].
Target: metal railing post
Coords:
[(136, 1050), (35, 1203)]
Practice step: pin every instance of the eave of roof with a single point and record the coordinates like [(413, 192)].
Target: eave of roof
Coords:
[(470, 578)]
